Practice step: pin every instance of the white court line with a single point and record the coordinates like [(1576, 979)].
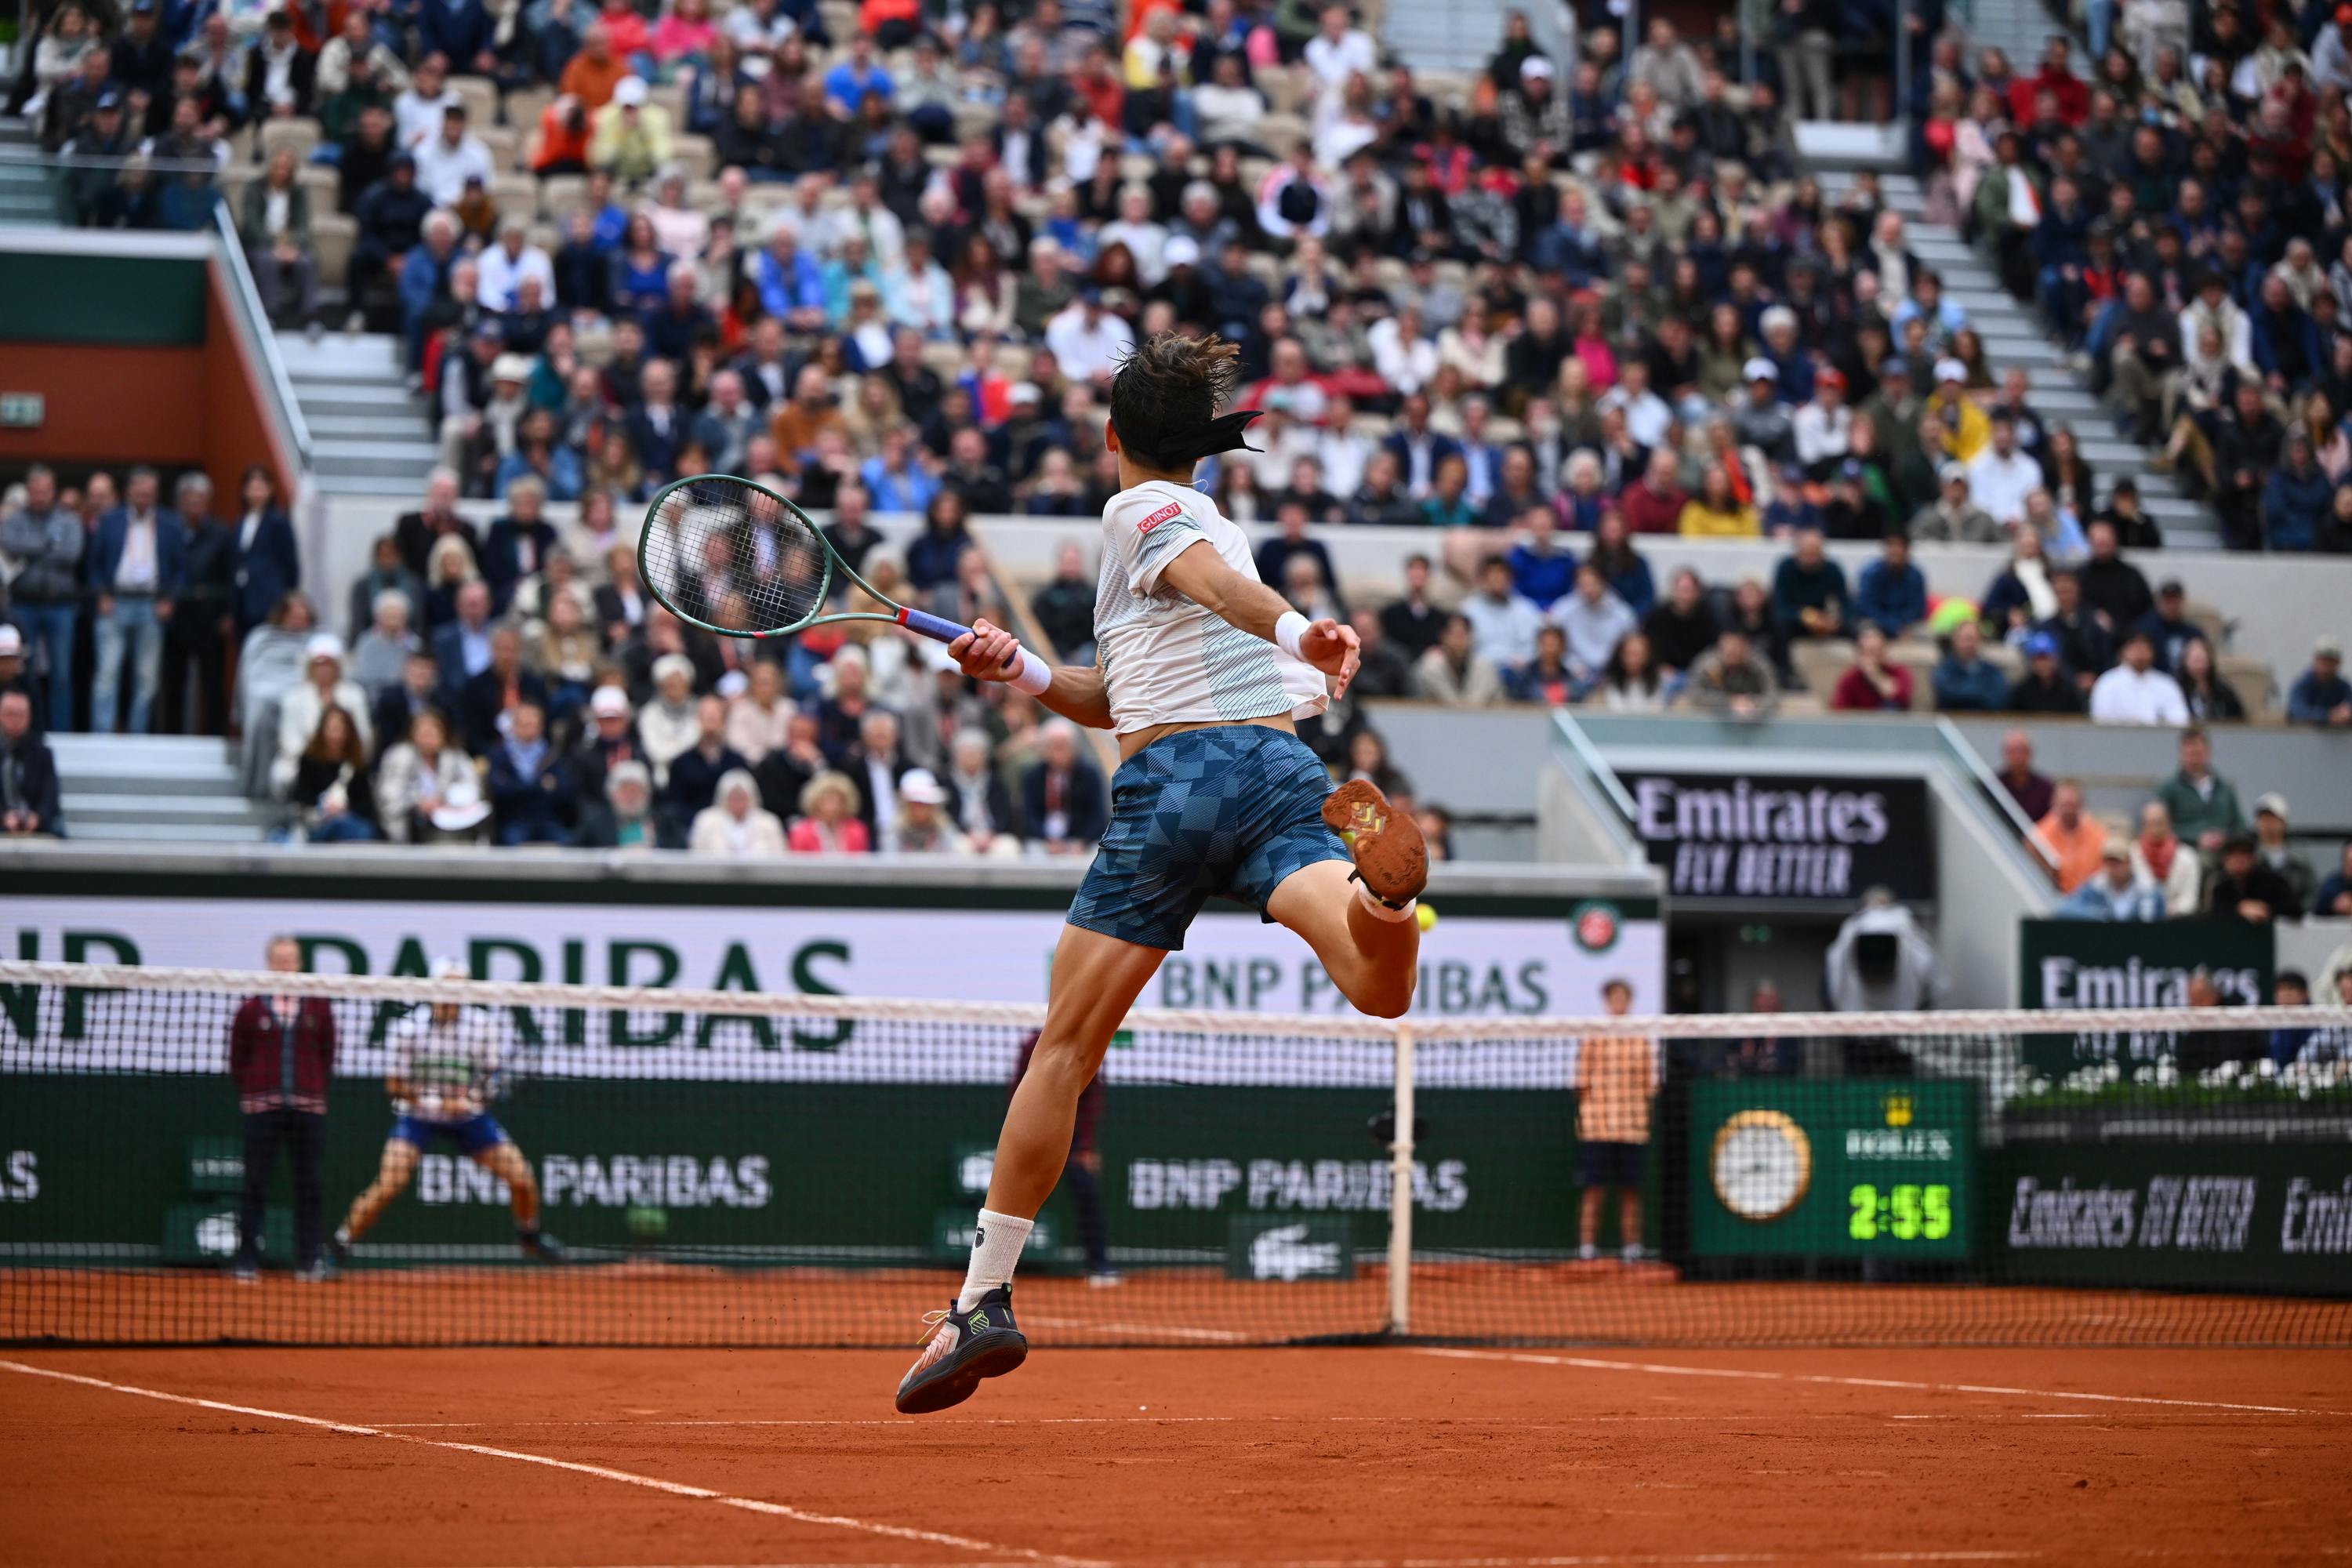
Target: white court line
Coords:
[(602, 1472), (1162, 1330), (1595, 1364), (1417, 1422)]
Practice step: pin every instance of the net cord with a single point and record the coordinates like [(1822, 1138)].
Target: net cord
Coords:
[(1031, 1015)]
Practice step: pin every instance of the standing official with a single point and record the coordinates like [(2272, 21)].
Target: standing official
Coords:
[(281, 1051)]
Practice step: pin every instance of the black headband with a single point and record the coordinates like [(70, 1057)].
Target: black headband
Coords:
[(1180, 449)]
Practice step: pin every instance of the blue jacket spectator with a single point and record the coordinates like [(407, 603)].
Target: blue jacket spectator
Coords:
[(2114, 893), (2168, 627), (529, 785), (514, 549), (1965, 683), (268, 563), (460, 30), (1541, 572), (104, 558), (2321, 695), (1892, 592), (2298, 498), (424, 278), (788, 285), (907, 488)]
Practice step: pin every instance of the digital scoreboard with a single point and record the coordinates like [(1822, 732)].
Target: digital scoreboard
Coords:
[(1853, 1168)]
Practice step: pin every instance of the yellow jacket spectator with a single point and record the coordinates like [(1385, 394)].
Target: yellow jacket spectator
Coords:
[(1716, 513), (631, 137), (1966, 429)]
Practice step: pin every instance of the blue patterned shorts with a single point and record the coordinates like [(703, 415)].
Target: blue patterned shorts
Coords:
[(1231, 810)]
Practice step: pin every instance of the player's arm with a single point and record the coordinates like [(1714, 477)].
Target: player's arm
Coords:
[(1201, 575), (989, 653)]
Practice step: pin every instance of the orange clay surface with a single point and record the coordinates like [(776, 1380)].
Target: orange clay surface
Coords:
[(1443, 1459)]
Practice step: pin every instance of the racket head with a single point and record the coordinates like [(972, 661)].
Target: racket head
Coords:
[(733, 557)]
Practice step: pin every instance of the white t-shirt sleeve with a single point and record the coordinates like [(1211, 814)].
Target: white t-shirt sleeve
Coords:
[(1148, 529)]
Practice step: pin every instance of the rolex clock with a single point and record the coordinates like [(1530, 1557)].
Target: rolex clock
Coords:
[(1761, 1165)]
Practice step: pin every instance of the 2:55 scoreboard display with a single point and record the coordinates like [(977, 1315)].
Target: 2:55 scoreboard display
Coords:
[(1855, 1169)]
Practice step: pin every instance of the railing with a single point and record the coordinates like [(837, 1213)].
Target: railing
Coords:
[(252, 322)]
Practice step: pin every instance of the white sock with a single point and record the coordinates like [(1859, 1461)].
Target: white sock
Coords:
[(1385, 910), (995, 1247)]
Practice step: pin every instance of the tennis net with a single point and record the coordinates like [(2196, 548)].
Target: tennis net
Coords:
[(732, 1169)]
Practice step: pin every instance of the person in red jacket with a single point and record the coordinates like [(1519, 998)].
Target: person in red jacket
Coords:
[(1653, 503), (281, 1051), (2057, 78)]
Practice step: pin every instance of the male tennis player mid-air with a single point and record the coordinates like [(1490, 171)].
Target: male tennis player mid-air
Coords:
[(1201, 671), (445, 1064)]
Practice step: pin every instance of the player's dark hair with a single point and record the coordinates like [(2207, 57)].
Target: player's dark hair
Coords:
[(1171, 383)]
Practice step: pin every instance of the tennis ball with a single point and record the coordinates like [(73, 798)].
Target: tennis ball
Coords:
[(1948, 613), (1427, 916), (648, 1223)]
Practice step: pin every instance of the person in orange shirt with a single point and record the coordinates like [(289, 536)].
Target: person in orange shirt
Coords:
[(2072, 835), (592, 73), (1616, 1075)]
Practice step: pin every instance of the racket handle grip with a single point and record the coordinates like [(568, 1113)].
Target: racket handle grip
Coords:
[(1033, 674)]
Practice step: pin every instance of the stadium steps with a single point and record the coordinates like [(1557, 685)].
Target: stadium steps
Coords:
[(2012, 335), (162, 789), (28, 200), (1458, 35), (370, 435)]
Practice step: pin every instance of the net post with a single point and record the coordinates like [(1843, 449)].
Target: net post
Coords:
[(1400, 1191)]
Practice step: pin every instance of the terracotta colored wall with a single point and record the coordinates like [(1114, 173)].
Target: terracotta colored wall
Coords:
[(107, 405), (176, 407)]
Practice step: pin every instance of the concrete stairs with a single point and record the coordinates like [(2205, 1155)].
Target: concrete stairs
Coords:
[(2012, 335), (370, 435), (1456, 36), (27, 198), (156, 789)]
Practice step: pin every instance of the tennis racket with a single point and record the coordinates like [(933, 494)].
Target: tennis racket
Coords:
[(732, 557)]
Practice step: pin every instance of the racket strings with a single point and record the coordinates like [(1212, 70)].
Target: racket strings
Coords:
[(732, 556)]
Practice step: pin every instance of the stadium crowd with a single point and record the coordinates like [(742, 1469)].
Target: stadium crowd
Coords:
[(1545, 315)]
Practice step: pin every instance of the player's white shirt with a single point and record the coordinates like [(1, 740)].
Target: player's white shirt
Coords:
[(457, 1058), (1164, 658)]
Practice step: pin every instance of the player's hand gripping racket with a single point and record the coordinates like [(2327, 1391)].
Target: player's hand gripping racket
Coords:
[(725, 554)]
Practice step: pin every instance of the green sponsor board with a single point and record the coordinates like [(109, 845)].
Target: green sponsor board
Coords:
[(2234, 1216), (2070, 964), (764, 1172), (1849, 1169)]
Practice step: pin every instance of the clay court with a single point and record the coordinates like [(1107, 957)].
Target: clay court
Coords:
[(1434, 1456)]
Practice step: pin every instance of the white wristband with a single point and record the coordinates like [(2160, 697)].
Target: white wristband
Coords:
[(1289, 630), (1035, 675)]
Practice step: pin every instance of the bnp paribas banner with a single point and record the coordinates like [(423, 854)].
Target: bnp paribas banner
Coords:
[(1552, 963)]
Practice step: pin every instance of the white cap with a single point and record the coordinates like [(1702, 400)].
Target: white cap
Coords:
[(1181, 250), (1950, 370), (510, 367), (609, 700), (733, 684), (1024, 392), (629, 91), (323, 644), (1759, 369), (1535, 65), (917, 785), (12, 641)]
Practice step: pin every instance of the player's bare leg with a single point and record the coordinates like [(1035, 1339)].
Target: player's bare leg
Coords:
[(1358, 918), (392, 1174), (505, 1161), (1096, 979)]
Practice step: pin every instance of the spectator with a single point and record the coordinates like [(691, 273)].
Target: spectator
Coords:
[(1869, 685), (924, 827), (1892, 593), (282, 1054), (1454, 672), (333, 791), (324, 685), (29, 806), (760, 717), (1683, 628), (828, 821), (2113, 587), (487, 701), (2029, 789), (529, 785), (2271, 850), (2321, 695), (2203, 804), (2159, 855), (45, 541), (1594, 621), (1733, 679), (2003, 475), (138, 554), (1501, 623), (977, 800), (735, 827), (2045, 687), (621, 815), (691, 783), (268, 563), (1064, 608), (1953, 516), (2116, 892), (1062, 796), (14, 677), (2335, 896), (1633, 683), (1809, 592), (2211, 699), (420, 775), (2135, 691), (2073, 838), (1413, 623), (1546, 677), (1967, 682), (381, 653), (2247, 889)]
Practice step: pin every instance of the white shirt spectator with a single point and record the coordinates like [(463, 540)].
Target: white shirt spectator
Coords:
[(1821, 432), (1343, 455), (2001, 485), (1646, 414), (499, 275), (2128, 696), (416, 120), (1502, 631), (1406, 363), (1087, 349), (442, 170), (1593, 631), (1228, 114), (1334, 61), (1144, 241)]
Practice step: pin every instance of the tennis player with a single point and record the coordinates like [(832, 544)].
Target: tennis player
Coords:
[(1201, 671), (446, 1060)]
